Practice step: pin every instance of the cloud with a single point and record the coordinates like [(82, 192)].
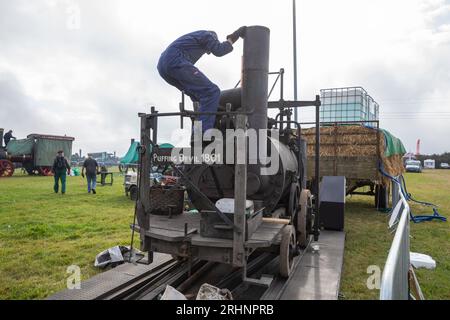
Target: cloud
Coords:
[(89, 75)]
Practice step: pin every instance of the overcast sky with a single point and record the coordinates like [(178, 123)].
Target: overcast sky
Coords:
[(85, 68)]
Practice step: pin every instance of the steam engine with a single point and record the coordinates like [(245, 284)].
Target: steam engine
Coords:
[(281, 189)]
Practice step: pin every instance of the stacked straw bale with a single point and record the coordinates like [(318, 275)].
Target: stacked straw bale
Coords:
[(354, 141)]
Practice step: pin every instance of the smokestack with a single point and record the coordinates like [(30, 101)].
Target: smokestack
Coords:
[(81, 155), (255, 73)]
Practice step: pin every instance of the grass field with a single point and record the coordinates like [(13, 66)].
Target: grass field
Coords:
[(41, 234)]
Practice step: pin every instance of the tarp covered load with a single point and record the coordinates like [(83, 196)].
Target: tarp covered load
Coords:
[(356, 152), (393, 145), (20, 147), (46, 150)]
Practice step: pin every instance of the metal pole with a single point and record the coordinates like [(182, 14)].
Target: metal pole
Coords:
[(294, 16), (240, 197), (317, 176)]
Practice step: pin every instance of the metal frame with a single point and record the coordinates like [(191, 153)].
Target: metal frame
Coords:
[(395, 278)]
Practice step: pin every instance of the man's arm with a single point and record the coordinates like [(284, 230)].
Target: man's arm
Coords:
[(54, 166), (217, 48)]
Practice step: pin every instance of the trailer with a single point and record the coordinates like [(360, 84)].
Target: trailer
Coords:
[(35, 154), (362, 152), (429, 164)]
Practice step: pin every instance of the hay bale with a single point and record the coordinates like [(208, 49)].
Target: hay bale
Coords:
[(354, 141)]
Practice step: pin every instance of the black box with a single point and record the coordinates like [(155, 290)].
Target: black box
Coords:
[(332, 202)]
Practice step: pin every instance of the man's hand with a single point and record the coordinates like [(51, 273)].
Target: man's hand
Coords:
[(82, 174), (239, 33)]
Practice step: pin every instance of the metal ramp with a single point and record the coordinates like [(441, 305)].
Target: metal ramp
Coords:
[(103, 283), (318, 275)]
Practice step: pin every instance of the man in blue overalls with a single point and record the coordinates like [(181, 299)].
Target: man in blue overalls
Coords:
[(176, 66)]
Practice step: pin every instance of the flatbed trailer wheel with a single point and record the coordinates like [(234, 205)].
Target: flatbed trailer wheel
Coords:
[(6, 168), (288, 248), (304, 219)]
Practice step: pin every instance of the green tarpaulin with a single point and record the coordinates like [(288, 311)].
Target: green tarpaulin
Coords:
[(46, 150), (393, 145), (20, 147), (132, 156)]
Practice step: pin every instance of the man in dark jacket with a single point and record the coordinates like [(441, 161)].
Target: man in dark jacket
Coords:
[(91, 167), (8, 136), (176, 66), (60, 168)]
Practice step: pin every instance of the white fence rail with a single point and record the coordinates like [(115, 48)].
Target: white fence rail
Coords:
[(394, 281)]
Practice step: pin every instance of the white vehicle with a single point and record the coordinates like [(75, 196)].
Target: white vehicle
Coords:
[(429, 164), (445, 165), (413, 166), (130, 184)]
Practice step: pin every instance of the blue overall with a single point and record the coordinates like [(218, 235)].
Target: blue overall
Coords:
[(176, 66)]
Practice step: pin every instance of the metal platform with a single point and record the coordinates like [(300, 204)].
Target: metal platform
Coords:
[(316, 276), (173, 230)]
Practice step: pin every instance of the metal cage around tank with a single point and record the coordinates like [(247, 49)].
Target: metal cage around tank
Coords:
[(348, 104)]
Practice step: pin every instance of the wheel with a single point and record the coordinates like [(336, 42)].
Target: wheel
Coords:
[(6, 168), (133, 193), (288, 247), (293, 200), (305, 219), (45, 171)]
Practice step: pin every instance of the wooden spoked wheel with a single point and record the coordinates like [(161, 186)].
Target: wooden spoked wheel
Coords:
[(288, 247), (304, 219)]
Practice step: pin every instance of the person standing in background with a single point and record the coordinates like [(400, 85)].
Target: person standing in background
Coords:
[(60, 169), (91, 167)]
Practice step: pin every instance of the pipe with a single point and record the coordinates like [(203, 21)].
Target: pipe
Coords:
[(233, 96), (255, 73)]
